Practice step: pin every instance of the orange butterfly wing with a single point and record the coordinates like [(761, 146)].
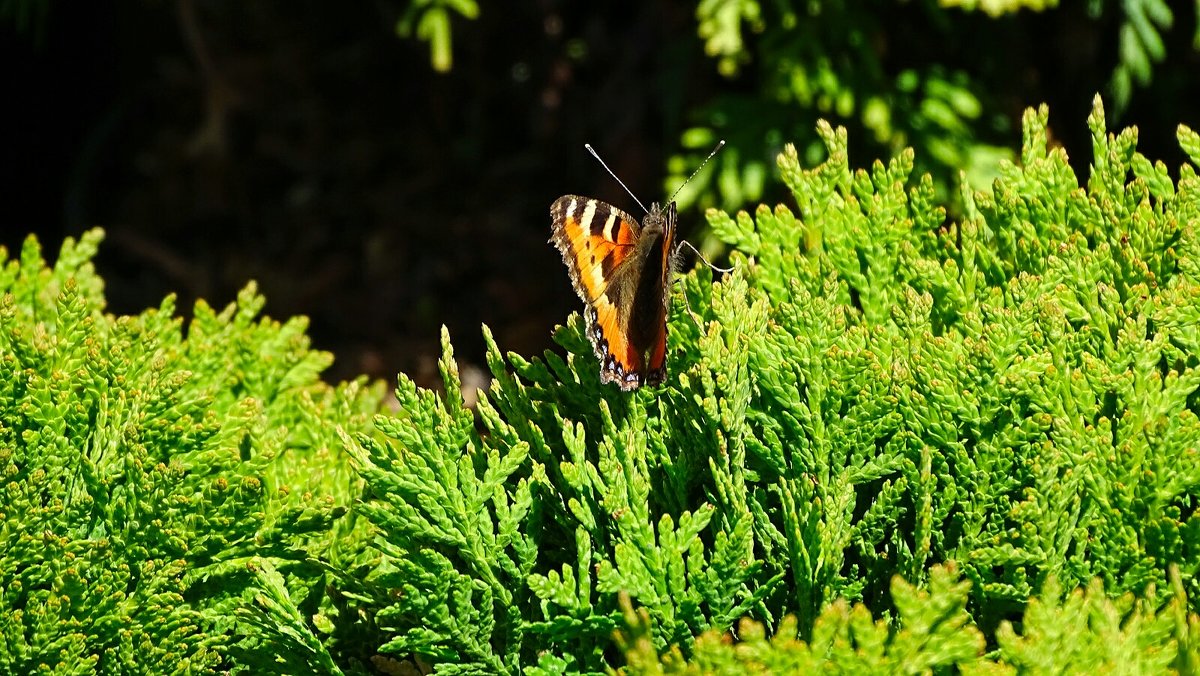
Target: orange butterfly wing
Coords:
[(597, 242)]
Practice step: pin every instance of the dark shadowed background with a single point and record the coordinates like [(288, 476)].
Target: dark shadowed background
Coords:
[(309, 147)]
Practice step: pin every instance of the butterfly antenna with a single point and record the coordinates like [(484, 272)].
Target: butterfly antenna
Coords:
[(610, 173), (697, 251), (720, 145)]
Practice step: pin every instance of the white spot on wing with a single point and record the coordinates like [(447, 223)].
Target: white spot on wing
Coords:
[(585, 220), (608, 225)]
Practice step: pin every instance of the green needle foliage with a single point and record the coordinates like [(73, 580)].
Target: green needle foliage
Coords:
[(992, 409), (1083, 632), (890, 442), (1014, 391), (145, 468)]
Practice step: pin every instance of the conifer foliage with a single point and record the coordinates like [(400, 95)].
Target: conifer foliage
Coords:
[(994, 408), (890, 442), (145, 469)]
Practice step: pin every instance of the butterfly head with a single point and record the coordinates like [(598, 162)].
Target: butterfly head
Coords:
[(660, 219)]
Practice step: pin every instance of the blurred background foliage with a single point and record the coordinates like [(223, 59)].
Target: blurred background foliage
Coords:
[(387, 167)]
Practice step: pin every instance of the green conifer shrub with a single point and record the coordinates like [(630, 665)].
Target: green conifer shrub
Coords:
[(1080, 632), (890, 441), (146, 468), (874, 392)]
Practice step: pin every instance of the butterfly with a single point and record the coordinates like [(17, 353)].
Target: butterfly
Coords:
[(622, 270)]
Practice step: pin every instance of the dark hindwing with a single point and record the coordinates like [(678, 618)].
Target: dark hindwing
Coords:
[(648, 319)]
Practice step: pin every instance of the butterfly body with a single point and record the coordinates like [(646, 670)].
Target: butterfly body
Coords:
[(622, 271)]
